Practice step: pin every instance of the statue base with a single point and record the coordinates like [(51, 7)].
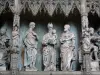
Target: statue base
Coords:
[(2, 68), (2, 62), (94, 65), (31, 69)]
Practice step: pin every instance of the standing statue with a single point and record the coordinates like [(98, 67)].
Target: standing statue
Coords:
[(31, 41), (49, 52), (67, 48), (15, 38), (4, 50)]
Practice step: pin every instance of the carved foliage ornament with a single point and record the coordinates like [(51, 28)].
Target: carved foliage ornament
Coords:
[(50, 5), (93, 6), (4, 3)]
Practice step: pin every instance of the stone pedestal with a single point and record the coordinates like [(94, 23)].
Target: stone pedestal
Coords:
[(3, 68), (94, 66), (14, 64), (31, 69), (2, 62)]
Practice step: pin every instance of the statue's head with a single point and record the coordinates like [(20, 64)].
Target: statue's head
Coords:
[(15, 28), (53, 31), (50, 26), (91, 30), (3, 31), (32, 25), (67, 27)]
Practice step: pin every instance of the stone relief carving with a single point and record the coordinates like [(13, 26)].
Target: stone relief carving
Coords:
[(89, 46), (94, 50), (49, 52), (15, 35), (31, 41), (86, 40), (93, 46), (4, 50), (67, 48)]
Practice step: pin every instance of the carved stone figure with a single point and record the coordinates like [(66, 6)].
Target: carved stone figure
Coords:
[(49, 52), (67, 48), (4, 50), (97, 42), (15, 37), (86, 40), (31, 41), (89, 46), (94, 48)]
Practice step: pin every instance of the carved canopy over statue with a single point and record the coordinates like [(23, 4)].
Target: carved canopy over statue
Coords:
[(49, 52), (67, 49), (31, 41)]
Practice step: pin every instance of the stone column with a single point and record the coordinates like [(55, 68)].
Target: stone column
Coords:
[(15, 32), (86, 55)]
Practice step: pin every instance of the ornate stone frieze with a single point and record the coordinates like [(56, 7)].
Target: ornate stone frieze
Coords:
[(65, 5), (93, 6), (4, 3)]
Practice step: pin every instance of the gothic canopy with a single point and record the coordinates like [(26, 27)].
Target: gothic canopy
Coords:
[(50, 6)]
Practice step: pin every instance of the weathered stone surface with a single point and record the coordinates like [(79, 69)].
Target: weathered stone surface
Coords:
[(31, 41), (67, 49), (49, 52)]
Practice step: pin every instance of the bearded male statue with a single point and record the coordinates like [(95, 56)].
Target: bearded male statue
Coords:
[(67, 48)]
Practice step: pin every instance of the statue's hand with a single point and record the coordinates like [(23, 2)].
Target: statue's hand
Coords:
[(63, 41), (50, 41)]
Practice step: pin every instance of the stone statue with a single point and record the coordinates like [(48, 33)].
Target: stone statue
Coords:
[(89, 46), (86, 44), (4, 50), (94, 48), (49, 52), (31, 41), (15, 38), (67, 48)]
